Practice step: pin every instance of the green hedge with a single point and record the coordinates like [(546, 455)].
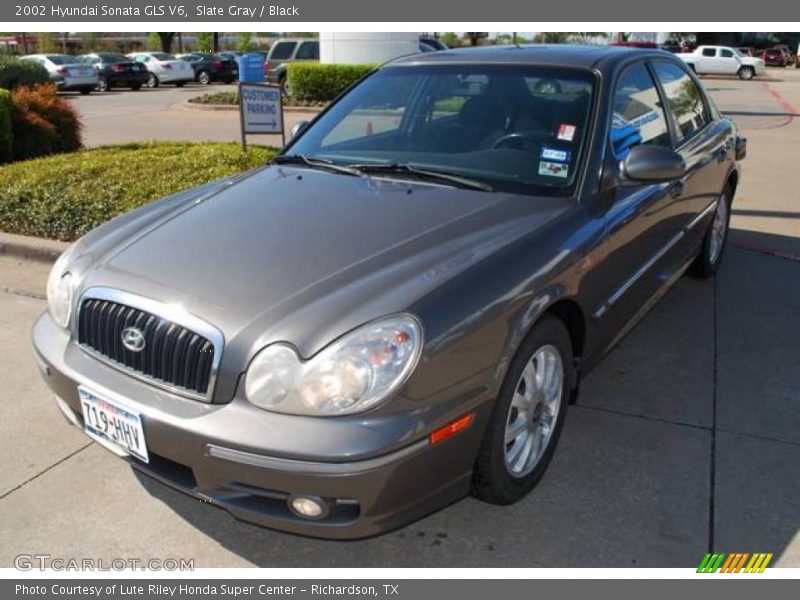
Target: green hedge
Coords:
[(6, 128), (315, 82), (15, 73), (65, 195)]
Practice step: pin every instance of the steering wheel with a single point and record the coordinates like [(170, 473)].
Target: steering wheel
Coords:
[(517, 135), (547, 86)]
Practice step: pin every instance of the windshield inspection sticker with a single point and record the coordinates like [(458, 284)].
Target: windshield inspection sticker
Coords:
[(555, 154), (553, 169), (566, 132)]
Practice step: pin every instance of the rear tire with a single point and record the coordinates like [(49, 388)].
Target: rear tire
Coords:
[(204, 78), (708, 260), (746, 73), (136, 87), (528, 416)]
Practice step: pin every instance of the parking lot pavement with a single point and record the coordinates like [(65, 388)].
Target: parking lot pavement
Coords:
[(122, 116), (690, 421)]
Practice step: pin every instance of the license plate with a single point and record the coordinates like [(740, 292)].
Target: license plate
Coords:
[(116, 427)]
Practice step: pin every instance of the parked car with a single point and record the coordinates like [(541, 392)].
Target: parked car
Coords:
[(209, 68), (722, 60), (746, 50), (433, 43), (774, 57), (163, 68), (398, 309), (115, 70), (67, 72), (285, 51), (791, 56)]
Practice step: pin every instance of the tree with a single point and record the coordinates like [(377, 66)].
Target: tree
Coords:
[(45, 43), (244, 41), (91, 41), (166, 41), (475, 37), (588, 37), (450, 38), (204, 41), (552, 37), (153, 41)]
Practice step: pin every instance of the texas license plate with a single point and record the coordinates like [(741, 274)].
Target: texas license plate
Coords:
[(116, 427)]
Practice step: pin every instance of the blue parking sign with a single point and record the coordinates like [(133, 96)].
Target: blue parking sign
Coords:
[(251, 67)]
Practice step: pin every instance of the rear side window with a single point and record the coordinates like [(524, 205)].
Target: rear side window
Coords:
[(282, 50), (726, 53), (638, 115), (709, 51), (684, 99), (308, 51)]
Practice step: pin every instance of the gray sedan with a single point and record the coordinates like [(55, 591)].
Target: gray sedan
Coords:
[(398, 310)]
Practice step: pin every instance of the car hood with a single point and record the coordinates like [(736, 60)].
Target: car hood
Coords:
[(290, 254)]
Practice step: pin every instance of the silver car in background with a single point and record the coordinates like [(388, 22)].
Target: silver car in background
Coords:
[(67, 72)]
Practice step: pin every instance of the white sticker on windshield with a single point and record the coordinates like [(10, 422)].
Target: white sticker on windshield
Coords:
[(566, 132), (553, 169)]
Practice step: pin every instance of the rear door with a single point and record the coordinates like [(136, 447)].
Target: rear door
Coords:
[(707, 62), (705, 144)]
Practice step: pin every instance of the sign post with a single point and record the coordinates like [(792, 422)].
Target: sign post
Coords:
[(260, 104), (260, 110)]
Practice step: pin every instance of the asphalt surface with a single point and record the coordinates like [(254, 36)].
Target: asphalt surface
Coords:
[(686, 439)]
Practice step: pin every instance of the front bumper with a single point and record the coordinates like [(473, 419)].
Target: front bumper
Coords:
[(208, 451)]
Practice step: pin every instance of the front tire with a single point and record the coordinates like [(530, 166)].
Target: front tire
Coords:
[(179, 84), (710, 256), (204, 78), (85, 91), (102, 85), (746, 73), (528, 416), (152, 81)]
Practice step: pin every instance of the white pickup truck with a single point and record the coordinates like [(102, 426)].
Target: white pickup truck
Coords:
[(723, 60)]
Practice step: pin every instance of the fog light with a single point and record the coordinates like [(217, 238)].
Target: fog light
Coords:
[(308, 507)]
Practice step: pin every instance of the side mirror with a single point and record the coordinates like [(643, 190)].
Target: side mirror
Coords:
[(653, 164), (298, 128)]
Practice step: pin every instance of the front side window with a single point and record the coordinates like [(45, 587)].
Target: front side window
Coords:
[(638, 115), (308, 51), (282, 50), (684, 99), (515, 128)]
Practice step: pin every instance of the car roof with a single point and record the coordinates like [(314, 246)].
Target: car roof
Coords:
[(555, 55)]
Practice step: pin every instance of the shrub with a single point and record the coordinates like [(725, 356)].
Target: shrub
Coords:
[(314, 82), (64, 196), (6, 131), (16, 73), (43, 123)]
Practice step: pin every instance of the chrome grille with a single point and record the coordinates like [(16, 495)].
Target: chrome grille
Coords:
[(173, 356)]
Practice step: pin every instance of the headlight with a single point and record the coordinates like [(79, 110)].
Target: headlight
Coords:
[(351, 375), (60, 292)]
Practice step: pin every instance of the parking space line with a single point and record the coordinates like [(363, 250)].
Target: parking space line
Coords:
[(23, 293), (45, 470)]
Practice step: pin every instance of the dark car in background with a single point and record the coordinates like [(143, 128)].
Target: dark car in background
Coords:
[(398, 309), (209, 67), (775, 57), (116, 70)]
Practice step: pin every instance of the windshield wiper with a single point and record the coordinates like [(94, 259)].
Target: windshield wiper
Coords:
[(314, 163), (425, 174)]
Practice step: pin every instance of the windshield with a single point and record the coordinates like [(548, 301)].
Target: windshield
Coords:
[(738, 52), (516, 128), (61, 59)]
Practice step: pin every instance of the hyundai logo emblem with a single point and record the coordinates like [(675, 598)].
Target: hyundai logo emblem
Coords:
[(133, 339)]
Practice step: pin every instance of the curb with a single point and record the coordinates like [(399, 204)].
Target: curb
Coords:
[(234, 107), (31, 248)]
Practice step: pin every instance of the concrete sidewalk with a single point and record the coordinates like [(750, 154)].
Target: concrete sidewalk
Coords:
[(685, 439)]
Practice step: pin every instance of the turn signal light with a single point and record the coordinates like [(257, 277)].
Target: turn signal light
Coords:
[(451, 429)]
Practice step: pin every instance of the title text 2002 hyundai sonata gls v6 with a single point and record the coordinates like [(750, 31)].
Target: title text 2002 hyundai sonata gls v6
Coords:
[(397, 310)]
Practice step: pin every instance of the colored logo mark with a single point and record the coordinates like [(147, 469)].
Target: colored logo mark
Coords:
[(735, 563)]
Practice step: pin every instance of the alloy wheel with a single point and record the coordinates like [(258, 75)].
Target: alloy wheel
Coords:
[(533, 411), (719, 230)]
